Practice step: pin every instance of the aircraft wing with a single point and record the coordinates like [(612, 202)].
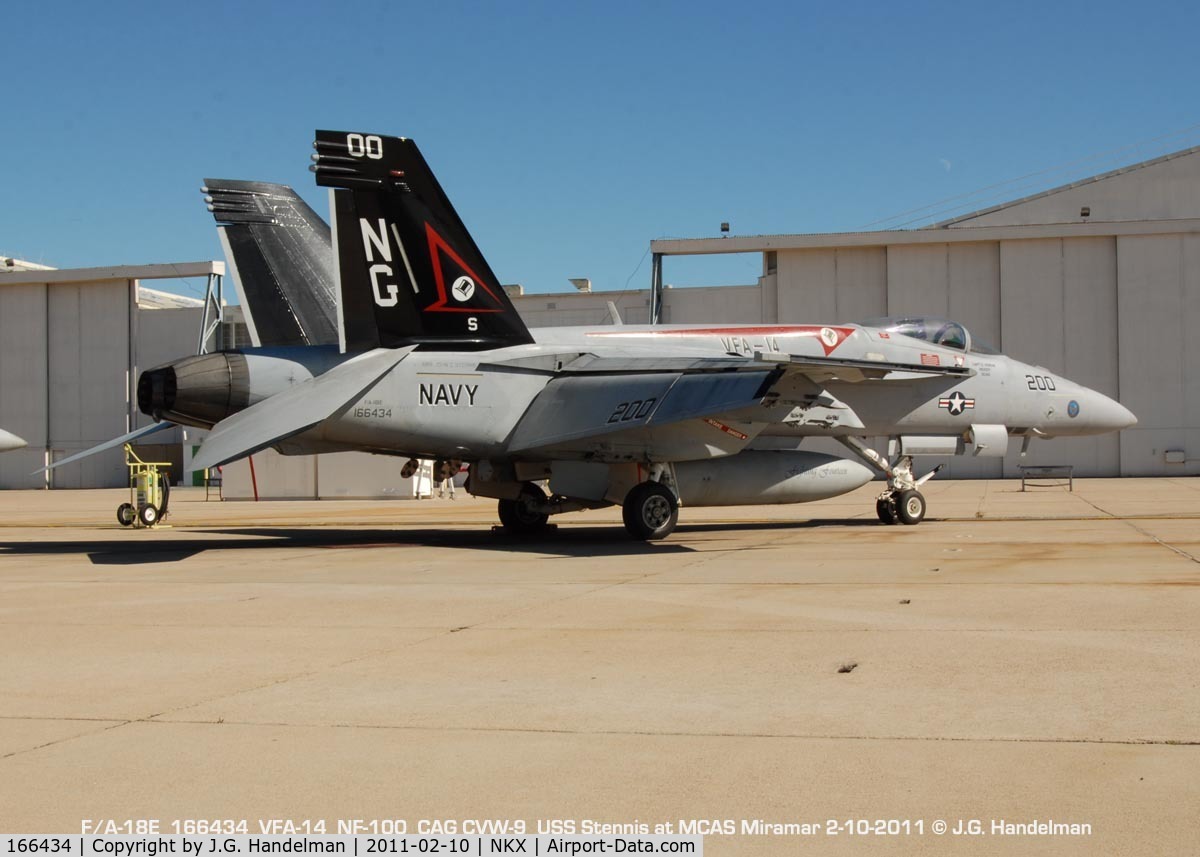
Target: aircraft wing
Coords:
[(108, 444), (297, 410), (819, 368), (632, 406), (587, 411)]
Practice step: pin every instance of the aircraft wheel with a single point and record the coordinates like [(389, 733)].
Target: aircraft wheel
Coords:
[(148, 515), (650, 511), (885, 508), (524, 514), (910, 506), (125, 515)]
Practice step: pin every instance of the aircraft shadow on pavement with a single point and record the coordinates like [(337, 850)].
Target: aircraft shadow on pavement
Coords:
[(576, 542)]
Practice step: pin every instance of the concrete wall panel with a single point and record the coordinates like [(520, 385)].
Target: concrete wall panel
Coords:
[(1152, 328), (1031, 309), (105, 351), (1090, 339), (279, 477), (88, 379), (346, 475), (65, 356), (1190, 315), (918, 280), (730, 305), (861, 283), (973, 271), (807, 282), (23, 381)]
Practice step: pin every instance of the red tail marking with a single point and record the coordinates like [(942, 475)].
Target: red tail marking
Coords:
[(436, 241)]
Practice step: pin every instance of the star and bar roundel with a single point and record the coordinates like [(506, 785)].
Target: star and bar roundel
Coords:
[(956, 403)]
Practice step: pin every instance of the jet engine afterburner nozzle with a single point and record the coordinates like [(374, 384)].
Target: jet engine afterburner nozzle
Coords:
[(196, 391)]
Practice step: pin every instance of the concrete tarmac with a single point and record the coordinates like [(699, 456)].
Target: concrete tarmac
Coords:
[(1018, 656)]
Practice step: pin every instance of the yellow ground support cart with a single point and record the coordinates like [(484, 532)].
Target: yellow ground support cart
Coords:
[(149, 492)]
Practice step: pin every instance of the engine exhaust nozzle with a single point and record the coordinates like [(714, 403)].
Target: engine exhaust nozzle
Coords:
[(196, 391)]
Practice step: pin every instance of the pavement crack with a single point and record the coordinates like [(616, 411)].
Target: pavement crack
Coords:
[(671, 733), (1129, 522), (89, 733)]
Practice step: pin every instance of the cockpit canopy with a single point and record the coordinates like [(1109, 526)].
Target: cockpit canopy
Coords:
[(939, 331)]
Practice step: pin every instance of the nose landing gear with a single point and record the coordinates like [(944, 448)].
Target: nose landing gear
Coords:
[(901, 502)]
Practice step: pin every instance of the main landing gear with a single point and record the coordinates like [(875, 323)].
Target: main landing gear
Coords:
[(901, 502), (527, 514), (650, 511), (651, 508)]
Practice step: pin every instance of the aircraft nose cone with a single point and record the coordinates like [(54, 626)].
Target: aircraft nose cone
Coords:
[(1126, 418), (1109, 414), (10, 441)]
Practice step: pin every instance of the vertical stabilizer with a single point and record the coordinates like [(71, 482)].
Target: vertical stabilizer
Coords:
[(409, 272), (279, 253)]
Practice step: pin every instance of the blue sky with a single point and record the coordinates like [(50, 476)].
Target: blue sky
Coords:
[(570, 134)]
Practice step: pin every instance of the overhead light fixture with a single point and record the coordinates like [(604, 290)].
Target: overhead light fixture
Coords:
[(581, 283)]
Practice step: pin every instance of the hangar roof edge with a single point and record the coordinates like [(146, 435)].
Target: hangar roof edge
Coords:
[(943, 224), (167, 271), (879, 238)]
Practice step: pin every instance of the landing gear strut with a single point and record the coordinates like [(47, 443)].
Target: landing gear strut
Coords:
[(901, 502)]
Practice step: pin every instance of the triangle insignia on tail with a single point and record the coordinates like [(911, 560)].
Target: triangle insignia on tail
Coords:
[(465, 285)]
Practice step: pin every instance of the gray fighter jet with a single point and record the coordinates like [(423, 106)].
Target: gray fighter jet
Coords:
[(434, 362)]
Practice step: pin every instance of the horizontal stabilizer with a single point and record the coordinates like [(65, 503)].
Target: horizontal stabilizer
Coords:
[(302, 407), (109, 444)]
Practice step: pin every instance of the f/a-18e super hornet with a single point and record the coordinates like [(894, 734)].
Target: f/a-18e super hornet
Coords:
[(433, 362)]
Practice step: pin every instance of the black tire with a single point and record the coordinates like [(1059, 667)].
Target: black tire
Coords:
[(525, 514), (885, 508), (910, 507), (125, 515), (148, 515), (164, 490), (650, 511)]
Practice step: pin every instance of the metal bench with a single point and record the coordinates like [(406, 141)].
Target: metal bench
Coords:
[(1049, 471)]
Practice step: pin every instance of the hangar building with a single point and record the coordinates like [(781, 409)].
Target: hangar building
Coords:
[(1098, 280)]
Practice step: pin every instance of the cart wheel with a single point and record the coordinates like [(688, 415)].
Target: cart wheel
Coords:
[(125, 515), (148, 515)]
